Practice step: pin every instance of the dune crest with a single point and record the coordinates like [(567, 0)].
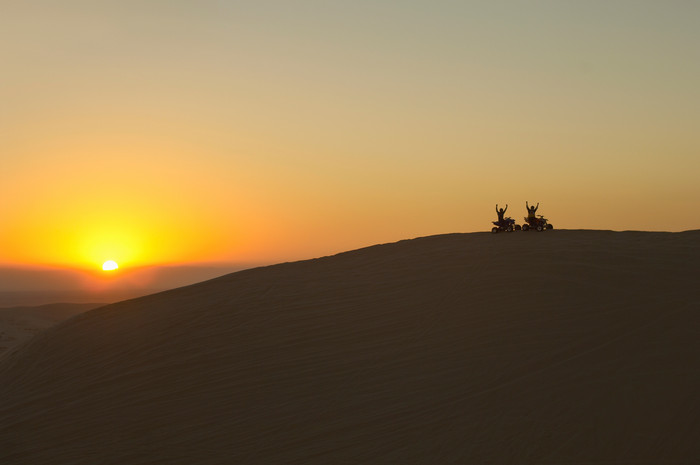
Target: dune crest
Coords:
[(19, 324), (554, 347)]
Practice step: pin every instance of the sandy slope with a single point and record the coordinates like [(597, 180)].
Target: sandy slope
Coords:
[(566, 347), (19, 324)]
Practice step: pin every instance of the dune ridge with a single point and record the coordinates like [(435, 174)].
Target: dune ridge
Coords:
[(557, 347), (19, 324)]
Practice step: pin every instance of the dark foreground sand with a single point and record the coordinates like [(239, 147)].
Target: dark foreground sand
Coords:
[(562, 347)]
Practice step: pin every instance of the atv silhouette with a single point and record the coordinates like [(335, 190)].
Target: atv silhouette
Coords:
[(538, 224), (507, 225)]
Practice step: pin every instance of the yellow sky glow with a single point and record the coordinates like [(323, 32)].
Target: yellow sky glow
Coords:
[(170, 133)]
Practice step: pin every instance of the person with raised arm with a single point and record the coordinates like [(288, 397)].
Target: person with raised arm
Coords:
[(531, 211), (500, 214)]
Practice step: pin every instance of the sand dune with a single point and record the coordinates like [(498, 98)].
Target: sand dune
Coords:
[(562, 347), (19, 324)]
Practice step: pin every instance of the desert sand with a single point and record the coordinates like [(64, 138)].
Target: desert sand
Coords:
[(561, 347), (19, 324)]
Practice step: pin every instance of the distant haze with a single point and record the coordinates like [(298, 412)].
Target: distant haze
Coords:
[(38, 286)]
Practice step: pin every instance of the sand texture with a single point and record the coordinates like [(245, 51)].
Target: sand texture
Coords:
[(19, 324), (561, 347)]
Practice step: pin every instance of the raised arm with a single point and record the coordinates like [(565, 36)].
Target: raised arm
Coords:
[(538, 206), (526, 205), (506, 209), (496, 208)]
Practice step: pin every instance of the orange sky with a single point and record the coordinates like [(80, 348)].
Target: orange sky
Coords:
[(230, 133)]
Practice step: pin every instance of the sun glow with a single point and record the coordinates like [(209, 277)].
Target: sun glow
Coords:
[(110, 265)]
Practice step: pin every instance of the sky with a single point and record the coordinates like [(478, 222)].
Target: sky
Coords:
[(178, 132)]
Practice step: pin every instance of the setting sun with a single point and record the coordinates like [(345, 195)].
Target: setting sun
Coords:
[(110, 265)]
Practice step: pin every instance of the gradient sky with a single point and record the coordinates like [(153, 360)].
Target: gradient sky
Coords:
[(161, 132)]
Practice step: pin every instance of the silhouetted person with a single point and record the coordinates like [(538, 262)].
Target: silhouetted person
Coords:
[(531, 211), (500, 213)]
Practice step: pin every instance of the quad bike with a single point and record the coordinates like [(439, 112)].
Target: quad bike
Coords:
[(507, 225), (538, 224)]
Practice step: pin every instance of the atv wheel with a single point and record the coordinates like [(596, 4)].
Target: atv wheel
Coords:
[(549, 226), (539, 228), (517, 227), (509, 228), (494, 230), (526, 227)]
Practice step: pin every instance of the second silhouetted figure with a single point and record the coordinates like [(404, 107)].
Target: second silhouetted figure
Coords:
[(531, 210)]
